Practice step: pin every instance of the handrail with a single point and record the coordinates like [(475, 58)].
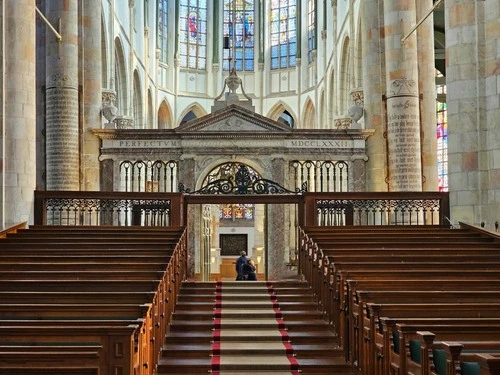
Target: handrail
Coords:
[(13, 229)]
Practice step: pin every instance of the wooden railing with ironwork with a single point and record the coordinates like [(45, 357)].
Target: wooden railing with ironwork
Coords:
[(379, 208), (109, 208)]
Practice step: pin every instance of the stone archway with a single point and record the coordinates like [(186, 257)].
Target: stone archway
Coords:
[(236, 209)]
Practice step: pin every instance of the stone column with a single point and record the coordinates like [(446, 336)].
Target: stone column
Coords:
[(373, 88), (276, 255), (427, 88), (92, 92), (17, 116), (472, 76), (62, 129), (403, 117)]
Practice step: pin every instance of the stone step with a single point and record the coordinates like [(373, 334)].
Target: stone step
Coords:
[(244, 327), (209, 305), (243, 313), (247, 324)]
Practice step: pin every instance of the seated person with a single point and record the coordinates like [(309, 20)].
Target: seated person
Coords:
[(249, 270)]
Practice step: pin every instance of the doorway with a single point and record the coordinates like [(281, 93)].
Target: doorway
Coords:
[(236, 210)]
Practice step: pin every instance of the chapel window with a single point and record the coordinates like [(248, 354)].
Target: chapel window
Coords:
[(287, 119), (193, 34), (311, 28), (239, 17), (188, 117), (283, 33), (163, 30), (442, 133)]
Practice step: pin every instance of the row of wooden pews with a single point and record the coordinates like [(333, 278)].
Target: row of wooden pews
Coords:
[(87, 300), (409, 299)]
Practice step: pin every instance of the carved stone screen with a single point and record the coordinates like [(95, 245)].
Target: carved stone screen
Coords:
[(233, 244)]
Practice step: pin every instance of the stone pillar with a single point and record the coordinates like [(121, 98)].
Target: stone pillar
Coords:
[(92, 92), (18, 113), (188, 178), (403, 117), (472, 76), (62, 129), (359, 174), (276, 255), (373, 88), (427, 88)]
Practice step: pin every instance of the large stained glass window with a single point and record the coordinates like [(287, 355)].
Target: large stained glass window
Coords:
[(193, 34), (283, 33), (442, 137), (163, 29), (311, 28), (239, 16)]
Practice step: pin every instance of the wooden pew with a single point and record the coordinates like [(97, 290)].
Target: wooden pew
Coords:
[(79, 292), (443, 357), (402, 361)]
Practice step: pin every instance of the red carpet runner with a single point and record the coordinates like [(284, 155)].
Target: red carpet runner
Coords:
[(281, 327)]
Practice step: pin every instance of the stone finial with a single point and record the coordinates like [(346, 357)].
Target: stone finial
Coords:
[(109, 111), (356, 111)]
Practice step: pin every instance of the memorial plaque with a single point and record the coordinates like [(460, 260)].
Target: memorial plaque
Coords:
[(233, 244)]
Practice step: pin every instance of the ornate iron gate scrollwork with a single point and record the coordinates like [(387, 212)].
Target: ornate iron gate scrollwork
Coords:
[(243, 183)]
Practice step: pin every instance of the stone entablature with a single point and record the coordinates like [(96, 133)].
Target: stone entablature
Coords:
[(236, 131)]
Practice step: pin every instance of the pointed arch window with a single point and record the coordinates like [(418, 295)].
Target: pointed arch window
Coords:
[(311, 28), (442, 134), (239, 16), (162, 40), (287, 119), (188, 117), (283, 34), (193, 34)]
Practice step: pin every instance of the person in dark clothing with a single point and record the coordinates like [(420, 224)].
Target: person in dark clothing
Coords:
[(239, 265), (249, 270)]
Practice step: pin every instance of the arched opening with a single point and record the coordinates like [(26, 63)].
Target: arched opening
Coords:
[(234, 210)]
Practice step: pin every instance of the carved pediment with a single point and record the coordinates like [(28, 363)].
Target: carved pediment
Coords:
[(233, 119)]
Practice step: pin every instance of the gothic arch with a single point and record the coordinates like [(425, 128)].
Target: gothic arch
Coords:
[(277, 111), (196, 109), (232, 165), (104, 53), (137, 103), (359, 57), (331, 98), (120, 78), (322, 111), (164, 115), (309, 117), (150, 115), (344, 77)]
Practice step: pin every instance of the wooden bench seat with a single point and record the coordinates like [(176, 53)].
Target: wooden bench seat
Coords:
[(79, 285), (408, 355), (82, 265), (115, 344), (72, 297), (153, 274)]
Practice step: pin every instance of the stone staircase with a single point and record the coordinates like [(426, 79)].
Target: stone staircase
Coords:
[(250, 327)]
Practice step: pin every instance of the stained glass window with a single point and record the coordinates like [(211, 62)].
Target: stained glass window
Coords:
[(193, 34), (283, 33), (311, 28), (236, 212), (239, 16), (163, 29), (442, 137), (287, 119)]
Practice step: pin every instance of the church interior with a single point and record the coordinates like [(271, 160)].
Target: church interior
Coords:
[(350, 148)]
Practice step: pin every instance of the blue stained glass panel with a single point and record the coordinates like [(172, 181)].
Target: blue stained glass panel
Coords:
[(283, 28), (192, 33)]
